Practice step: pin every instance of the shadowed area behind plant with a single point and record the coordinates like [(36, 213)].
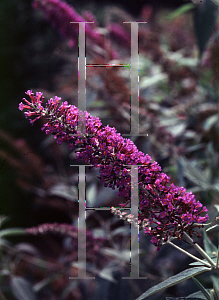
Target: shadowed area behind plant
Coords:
[(178, 110)]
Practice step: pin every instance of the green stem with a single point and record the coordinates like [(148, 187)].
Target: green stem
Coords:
[(217, 257), (199, 249), (12, 231), (189, 254), (212, 295)]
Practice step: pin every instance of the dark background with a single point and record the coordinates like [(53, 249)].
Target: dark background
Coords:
[(24, 66)]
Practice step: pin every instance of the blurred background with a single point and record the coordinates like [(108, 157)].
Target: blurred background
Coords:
[(178, 55)]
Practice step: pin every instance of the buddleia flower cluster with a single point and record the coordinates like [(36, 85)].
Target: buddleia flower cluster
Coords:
[(60, 15), (167, 210)]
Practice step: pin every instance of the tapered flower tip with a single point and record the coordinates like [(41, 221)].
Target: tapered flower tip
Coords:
[(21, 106)]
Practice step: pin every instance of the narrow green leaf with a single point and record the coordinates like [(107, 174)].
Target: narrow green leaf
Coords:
[(4, 242), (212, 227), (179, 11), (123, 230), (193, 173), (216, 295), (202, 289), (121, 255), (210, 121), (70, 287), (215, 281), (217, 261), (22, 289), (214, 258), (92, 194), (107, 274), (3, 219), (40, 285), (184, 298), (209, 247), (198, 295), (4, 272), (216, 2), (64, 191), (174, 280), (217, 207), (12, 231), (152, 80), (197, 263), (205, 16)]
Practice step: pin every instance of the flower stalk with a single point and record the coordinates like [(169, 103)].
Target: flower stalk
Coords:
[(189, 254), (199, 249)]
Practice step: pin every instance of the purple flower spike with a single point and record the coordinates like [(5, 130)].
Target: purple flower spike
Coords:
[(60, 14), (165, 211), (93, 244)]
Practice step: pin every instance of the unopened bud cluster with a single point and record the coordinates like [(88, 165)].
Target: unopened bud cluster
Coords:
[(129, 218)]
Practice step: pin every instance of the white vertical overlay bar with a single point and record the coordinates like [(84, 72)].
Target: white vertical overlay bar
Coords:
[(82, 225), (134, 238), (82, 78), (134, 229), (134, 74), (134, 79)]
